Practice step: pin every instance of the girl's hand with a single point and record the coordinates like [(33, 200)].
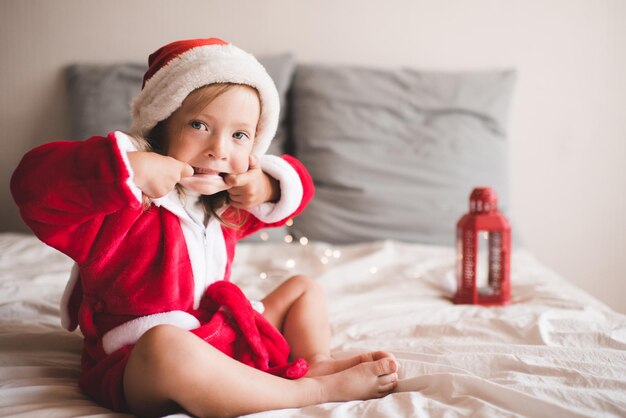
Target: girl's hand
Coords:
[(252, 188), (155, 174)]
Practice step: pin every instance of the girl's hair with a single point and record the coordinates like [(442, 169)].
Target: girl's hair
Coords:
[(156, 141)]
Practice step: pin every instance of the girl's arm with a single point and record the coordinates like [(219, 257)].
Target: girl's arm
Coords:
[(65, 190), (287, 192)]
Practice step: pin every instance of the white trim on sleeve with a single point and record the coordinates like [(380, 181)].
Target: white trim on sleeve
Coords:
[(66, 321), (125, 145)]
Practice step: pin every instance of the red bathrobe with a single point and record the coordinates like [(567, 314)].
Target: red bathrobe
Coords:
[(137, 268)]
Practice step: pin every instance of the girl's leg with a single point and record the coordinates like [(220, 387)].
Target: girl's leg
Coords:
[(298, 309), (171, 368)]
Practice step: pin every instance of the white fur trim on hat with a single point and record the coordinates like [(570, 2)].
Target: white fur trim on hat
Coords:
[(165, 91)]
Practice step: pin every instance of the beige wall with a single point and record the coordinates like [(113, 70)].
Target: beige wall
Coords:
[(568, 126)]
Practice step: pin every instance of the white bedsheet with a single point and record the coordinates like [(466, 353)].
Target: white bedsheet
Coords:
[(554, 352)]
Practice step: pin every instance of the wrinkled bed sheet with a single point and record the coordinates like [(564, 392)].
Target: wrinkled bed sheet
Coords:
[(554, 352)]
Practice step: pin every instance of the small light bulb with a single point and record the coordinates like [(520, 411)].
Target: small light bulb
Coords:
[(336, 253), (328, 252), (263, 275), (304, 241), (289, 222), (288, 239), (324, 260), (264, 236), (291, 263)]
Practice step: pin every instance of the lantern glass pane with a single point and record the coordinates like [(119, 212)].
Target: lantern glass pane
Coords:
[(482, 263)]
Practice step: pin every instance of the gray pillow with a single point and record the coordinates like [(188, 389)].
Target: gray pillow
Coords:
[(100, 96), (394, 154)]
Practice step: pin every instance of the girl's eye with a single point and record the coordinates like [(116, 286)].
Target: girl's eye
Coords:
[(196, 124), (242, 136)]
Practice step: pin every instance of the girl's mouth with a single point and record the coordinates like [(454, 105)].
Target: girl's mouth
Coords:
[(208, 171)]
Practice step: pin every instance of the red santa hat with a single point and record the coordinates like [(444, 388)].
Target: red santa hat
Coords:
[(180, 67)]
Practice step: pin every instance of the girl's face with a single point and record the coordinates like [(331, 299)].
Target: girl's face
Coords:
[(215, 141)]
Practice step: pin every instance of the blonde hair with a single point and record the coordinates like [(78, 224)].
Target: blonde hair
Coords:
[(156, 141)]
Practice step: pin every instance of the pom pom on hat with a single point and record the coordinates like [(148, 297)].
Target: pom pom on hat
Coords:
[(180, 67)]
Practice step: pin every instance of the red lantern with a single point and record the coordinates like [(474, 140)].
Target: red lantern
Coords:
[(483, 252)]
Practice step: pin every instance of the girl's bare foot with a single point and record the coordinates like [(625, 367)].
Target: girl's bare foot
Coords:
[(322, 365), (366, 380)]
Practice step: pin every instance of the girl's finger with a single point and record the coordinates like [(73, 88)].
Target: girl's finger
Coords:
[(186, 170), (253, 162)]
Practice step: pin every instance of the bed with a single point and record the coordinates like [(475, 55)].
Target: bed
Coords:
[(378, 237), (554, 352)]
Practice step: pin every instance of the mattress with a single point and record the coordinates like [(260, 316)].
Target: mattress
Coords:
[(555, 351)]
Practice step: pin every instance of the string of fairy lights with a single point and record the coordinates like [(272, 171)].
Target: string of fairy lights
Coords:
[(326, 257)]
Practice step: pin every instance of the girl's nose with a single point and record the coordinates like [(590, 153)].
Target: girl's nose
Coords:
[(218, 147)]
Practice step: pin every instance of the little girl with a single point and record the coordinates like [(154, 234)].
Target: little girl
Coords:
[(151, 220)]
